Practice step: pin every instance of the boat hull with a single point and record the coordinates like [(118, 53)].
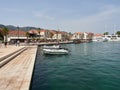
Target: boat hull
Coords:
[(52, 47), (52, 51)]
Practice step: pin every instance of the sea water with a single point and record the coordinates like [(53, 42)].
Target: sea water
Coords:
[(89, 66)]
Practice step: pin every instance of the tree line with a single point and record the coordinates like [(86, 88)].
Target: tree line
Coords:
[(107, 33), (3, 34)]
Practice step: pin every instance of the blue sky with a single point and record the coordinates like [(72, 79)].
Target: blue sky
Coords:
[(96, 16)]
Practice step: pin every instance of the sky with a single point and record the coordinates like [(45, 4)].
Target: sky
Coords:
[(97, 16)]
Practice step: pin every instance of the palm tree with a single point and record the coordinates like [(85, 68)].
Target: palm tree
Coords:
[(5, 32), (118, 32), (39, 32), (51, 34), (105, 33), (1, 35), (27, 35)]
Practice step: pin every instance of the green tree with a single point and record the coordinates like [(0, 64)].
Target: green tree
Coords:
[(5, 32), (118, 32), (39, 32), (1, 35), (105, 33), (51, 34), (27, 35)]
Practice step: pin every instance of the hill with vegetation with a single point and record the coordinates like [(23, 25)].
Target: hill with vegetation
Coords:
[(11, 27)]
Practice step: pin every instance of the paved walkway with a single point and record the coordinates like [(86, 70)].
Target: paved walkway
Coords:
[(16, 75), (10, 49)]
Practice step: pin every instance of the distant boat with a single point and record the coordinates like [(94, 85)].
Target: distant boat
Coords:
[(112, 37), (56, 51), (105, 40), (98, 39), (77, 41)]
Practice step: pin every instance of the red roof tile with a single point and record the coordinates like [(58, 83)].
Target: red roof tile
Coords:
[(16, 32), (78, 33), (53, 31), (43, 30), (33, 31), (98, 34)]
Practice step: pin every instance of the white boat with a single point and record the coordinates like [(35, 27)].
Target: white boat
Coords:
[(98, 39), (51, 47), (112, 37), (105, 40), (55, 51)]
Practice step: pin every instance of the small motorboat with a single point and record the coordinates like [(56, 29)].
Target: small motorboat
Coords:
[(51, 47), (55, 51)]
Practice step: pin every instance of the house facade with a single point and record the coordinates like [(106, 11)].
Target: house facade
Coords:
[(60, 35), (88, 36), (97, 37), (82, 35), (16, 35), (46, 34), (77, 35), (41, 34)]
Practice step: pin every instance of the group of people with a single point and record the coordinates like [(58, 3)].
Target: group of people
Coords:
[(18, 43), (6, 43)]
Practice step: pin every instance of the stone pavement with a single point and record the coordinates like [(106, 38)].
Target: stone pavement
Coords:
[(10, 49), (17, 74)]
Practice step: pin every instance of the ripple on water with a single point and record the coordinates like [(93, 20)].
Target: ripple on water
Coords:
[(90, 66)]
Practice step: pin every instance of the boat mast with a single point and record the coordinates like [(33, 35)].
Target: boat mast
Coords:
[(57, 36), (114, 29)]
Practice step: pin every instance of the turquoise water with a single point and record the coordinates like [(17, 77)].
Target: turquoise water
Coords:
[(90, 66)]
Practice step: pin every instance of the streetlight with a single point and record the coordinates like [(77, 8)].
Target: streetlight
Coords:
[(17, 36), (18, 31)]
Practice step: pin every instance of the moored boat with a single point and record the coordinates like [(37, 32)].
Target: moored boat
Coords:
[(112, 37), (55, 51), (51, 47)]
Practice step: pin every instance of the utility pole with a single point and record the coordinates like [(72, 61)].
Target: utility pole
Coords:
[(18, 31)]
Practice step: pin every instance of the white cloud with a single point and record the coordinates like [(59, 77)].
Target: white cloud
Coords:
[(9, 10), (43, 15), (94, 23)]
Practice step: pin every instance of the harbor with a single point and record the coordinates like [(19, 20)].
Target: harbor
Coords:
[(59, 45), (30, 69), (17, 66), (90, 66)]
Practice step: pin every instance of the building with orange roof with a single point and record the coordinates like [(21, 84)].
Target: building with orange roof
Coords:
[(60, 35), (33, 31), (88, 35), (82, 35), (16, 35), (98, 37), (42, 33), (45, 34), (77, 35)]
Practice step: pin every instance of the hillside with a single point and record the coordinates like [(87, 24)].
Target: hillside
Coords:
[(11, 27)]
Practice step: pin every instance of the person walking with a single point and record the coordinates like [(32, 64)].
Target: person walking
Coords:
[(18, 43), (5, 43), (0, 44)]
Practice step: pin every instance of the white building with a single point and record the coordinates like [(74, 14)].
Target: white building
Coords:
[(16, 35)]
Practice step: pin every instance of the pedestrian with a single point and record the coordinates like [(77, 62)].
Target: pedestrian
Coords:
[(0, 44), (18, 43), (5, 43)]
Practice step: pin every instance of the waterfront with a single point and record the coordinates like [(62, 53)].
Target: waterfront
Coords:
[(90, 66)]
